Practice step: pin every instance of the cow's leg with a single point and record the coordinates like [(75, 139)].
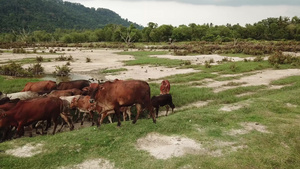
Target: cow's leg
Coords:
[(54, 119), (138, 110), (117, 112), (92, 117), (128, 112), (20, 130), (83, 117), (109, 118), (167, 109), (67, 120), (150, 109), (157, 110)]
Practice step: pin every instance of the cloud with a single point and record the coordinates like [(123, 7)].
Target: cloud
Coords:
[(229, 2)]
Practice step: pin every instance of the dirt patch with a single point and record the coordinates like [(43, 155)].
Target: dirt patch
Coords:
[(164, 147), (291, 105), (248, 127), (200, 59), (235, 106), (264, 77), (93, 164), (27, 150)]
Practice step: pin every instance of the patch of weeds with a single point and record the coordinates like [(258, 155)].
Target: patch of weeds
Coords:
[(235, 83), (88, 59), (258, 59), (113, 70), (207, 64), (36, 69), (64, 58), (39, 59), (62, 70)]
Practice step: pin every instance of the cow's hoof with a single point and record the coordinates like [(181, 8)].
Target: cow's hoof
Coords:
[(134, 121), (71, 128)]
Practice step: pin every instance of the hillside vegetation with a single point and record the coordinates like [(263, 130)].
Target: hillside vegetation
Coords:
[(48, 15)]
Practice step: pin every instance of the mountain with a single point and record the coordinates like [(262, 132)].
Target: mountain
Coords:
[(31, 15)]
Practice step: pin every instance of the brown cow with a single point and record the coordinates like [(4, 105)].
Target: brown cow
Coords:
[(119, 93), (82, 103), (9, 104), (78, 84), (68, 92), (28, 111), (165, 87), (41, 87)]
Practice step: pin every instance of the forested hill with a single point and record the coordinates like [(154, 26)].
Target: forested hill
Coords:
[(16, 15)]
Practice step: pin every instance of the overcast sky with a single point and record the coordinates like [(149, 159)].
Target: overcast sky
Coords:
[(178, 12)]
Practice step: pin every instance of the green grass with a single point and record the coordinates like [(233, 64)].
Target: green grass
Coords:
[(208, 125), (8, 85), (113, 70)]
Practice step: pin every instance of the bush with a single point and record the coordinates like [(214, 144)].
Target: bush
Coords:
[(64, 58), (14, 69), (39, 59), (36, 69), (280, 58), (62, 70), (88, 59)]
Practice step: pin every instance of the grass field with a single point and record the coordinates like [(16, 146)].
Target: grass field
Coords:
[(224, 135)]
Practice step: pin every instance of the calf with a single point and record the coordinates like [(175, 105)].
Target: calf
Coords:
[(82, 103), (125, 110), (162, 100)]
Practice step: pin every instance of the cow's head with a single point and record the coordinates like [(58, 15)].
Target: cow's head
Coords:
[(93, 90)]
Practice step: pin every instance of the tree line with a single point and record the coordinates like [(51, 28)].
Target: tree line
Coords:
[(281, 28)]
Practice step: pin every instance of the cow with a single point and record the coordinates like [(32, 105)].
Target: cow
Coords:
[(125, 110), (119, 93), (68, 92), (165, 87), (28, 111), (41, 86), (162, 100), (4, 100), (82, 104), (9, 104), (78, 84), (23, 95)]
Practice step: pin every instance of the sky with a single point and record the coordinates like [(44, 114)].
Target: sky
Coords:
[(184, 12)]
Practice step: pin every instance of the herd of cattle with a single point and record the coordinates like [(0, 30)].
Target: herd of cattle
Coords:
[(51, 102)]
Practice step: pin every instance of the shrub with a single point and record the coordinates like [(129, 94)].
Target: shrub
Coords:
[(280, 58), (88, 59), (36, 69), (62, 70), (64, 58), (207, 64), (39, 59), (14, 69)]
